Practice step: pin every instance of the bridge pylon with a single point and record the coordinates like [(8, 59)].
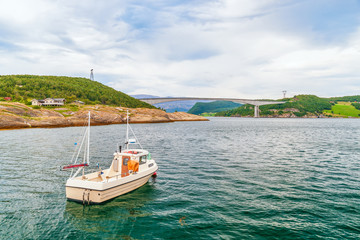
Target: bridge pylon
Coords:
[(256, 111)]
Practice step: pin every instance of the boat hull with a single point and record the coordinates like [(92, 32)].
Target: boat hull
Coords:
[(94, 196)]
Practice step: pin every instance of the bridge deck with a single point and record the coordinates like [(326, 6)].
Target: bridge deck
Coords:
[(237, 100)]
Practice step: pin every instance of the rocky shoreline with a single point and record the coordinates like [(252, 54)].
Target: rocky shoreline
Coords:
[(17, 116)]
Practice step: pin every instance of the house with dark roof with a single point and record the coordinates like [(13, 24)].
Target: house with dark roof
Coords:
[(48, 102)]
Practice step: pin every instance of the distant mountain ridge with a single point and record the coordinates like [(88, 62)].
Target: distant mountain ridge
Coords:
[(177, 106), (139, 96), (213, 107)]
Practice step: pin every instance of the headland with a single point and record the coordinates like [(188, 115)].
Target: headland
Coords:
[(14, 115)]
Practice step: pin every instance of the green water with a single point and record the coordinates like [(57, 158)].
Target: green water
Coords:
[(223, 179)]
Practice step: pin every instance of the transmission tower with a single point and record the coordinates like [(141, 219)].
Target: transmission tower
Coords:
[(284, 93), (92, 74)]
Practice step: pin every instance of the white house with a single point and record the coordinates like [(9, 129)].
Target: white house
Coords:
[(49, 102)]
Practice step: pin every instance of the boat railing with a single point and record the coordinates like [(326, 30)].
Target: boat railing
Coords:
[(121, 175)]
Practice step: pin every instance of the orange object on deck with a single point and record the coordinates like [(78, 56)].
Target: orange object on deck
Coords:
[(133, 165)]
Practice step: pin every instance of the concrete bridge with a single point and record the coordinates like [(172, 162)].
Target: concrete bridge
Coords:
[(255, 103)]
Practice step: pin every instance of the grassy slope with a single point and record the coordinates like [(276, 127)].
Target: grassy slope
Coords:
[(343, 110), (23, 88)]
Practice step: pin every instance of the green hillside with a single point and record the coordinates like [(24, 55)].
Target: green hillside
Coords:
[(344, 109), (23, 88), (212, 107), (299, 106), (355, 98)]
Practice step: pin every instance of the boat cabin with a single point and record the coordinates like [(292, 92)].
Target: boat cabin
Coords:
[(124, 164), (129, 161)]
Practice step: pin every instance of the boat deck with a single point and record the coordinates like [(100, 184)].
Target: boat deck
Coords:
[(107, 174)]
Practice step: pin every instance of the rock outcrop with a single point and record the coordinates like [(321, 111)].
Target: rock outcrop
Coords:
[(17, 115)]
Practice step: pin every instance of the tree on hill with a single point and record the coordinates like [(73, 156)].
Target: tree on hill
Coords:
[(23, 88), (355, 98)]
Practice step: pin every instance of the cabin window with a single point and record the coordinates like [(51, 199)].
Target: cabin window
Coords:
[(125, 161), (142, 159)]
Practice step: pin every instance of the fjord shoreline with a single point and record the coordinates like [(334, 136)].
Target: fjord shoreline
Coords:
[(15, 115)]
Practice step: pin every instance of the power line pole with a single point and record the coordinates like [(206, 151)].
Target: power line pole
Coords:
[(92, 74), (284, 93)]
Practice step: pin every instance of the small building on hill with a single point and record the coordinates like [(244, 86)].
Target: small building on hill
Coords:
[(37, 102), (79, 102), (48, 102)]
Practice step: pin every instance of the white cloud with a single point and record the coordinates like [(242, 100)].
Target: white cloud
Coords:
[(211, 48)]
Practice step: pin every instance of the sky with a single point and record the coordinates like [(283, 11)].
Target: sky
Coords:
[(189, 48)]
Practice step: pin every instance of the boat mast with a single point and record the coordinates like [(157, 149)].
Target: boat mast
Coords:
[(127, 129), (88, 148)]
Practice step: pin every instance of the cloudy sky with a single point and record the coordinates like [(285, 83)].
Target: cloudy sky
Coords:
[(194, 48)]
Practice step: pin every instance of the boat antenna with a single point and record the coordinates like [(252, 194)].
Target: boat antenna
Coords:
[(135, 137), (127, 141)]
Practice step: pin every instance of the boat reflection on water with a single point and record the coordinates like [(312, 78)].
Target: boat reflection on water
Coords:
[(117, 214)]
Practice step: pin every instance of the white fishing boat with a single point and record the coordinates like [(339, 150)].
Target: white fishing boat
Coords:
[(130, 169)]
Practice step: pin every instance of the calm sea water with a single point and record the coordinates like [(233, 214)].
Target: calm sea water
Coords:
[(228, 178)]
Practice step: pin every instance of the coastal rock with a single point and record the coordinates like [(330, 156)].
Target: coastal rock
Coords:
[(182, 116), (49, 122), (16, 115), (8, 121), (140, 115)]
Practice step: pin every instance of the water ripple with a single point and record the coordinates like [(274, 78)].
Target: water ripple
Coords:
[(224, 179)]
